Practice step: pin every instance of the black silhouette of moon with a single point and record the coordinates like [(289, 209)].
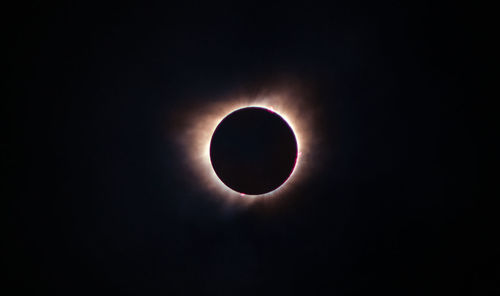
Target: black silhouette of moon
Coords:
[(253, 150)]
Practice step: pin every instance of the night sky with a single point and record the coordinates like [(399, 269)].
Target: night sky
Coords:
[(98, 198)]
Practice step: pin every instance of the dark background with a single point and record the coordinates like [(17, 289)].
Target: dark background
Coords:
[(96, 195)]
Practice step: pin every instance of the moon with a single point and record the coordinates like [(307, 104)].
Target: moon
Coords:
[(253, 150)]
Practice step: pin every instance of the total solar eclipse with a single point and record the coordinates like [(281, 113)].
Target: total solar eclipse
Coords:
[(253, 150)]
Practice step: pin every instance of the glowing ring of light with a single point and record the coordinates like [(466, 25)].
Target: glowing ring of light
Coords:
[(203, 120)]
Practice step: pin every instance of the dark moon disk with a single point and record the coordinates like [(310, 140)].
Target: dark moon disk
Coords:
[(253, 150)]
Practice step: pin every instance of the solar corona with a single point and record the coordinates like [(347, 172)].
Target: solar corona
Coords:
[(249, 148)]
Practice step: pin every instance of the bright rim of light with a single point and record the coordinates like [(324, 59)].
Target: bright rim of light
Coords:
[(196, 139)]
